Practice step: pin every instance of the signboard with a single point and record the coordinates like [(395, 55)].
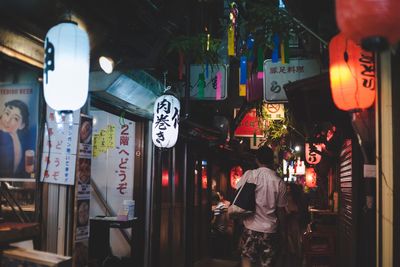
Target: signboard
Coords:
[(19, 105), (208, 82), (248, 127), (278, 74), (113, 157), (83, 178), (60, 147), (313, 153), (275, 111)]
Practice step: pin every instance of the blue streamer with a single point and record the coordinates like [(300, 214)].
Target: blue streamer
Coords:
[(206, 69), (275, 52), (243, 70)]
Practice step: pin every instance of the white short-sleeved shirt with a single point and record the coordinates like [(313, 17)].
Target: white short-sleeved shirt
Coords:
[(270, 193)]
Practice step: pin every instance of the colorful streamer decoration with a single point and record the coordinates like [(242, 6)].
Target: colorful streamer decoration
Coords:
[(275, 51), (200, 85), (218, 87), (243, 76), (260, 62), (285, 51), (233, 14)]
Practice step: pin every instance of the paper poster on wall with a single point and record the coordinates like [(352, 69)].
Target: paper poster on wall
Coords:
[(60, 146), (84, 157), (82, 219), (19, 116), (113, 157), (276, 75)]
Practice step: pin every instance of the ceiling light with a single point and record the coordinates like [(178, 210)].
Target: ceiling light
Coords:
[(106, 64), (297, 148)]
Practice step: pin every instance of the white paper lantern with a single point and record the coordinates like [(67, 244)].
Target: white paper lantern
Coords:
[(313, 157), (166, 121), (66, 67)]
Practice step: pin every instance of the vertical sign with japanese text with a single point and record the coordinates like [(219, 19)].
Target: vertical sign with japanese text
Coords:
[(60, 146), (113, 157)]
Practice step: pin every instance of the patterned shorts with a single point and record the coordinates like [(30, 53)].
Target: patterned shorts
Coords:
[(259, 247)]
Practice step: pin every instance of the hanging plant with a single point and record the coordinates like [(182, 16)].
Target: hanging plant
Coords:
[(201, 48), (268, 19), (274, 130)]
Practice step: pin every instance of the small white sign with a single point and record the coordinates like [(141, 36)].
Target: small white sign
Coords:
[(276, 75), (60, 147), (369, 171), (275, 111)]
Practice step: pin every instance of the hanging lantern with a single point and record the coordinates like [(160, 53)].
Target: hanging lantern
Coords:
[(375, 24), (352, 74), (312, 155), (66, 67), (235, 175), (166, 121), (204, 177), (311, 178)]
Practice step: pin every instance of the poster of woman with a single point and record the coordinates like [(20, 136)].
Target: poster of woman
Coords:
[(19, 104)]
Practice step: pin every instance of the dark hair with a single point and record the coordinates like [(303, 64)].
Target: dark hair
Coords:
[(265, 155), (215, 198), (23, 108)]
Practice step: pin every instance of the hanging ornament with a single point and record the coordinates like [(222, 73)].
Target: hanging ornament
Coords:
[(235, 174), (352, 74), (311, 178), (260, 62), (200, 85), (284, 50), (165, 121), (275, 51), (66, 69), (243, 76), (232, 29), (313, 153), (375, 24)]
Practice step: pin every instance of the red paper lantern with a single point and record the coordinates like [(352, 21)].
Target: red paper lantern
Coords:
[(311, 178), (203, 177), (375, 23), (313, 157), (235, 175), (352, 74)]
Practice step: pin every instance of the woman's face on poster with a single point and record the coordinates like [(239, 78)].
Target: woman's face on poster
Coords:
[(11, 120)]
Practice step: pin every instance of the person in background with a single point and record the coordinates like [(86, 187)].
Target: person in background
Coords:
[(296, 223), (221, 228), (264, 230), (14, 118)]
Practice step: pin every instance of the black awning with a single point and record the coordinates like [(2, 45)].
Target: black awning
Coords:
[(311, 104)]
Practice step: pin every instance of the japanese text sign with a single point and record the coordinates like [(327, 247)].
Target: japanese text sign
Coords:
[(275, 111), (278, 74), (208, 82), (248, 127), (60, 147), (313, 153), (166, 121)]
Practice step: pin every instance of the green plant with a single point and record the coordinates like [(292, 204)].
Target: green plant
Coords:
[(195, 47), (274, 130)]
